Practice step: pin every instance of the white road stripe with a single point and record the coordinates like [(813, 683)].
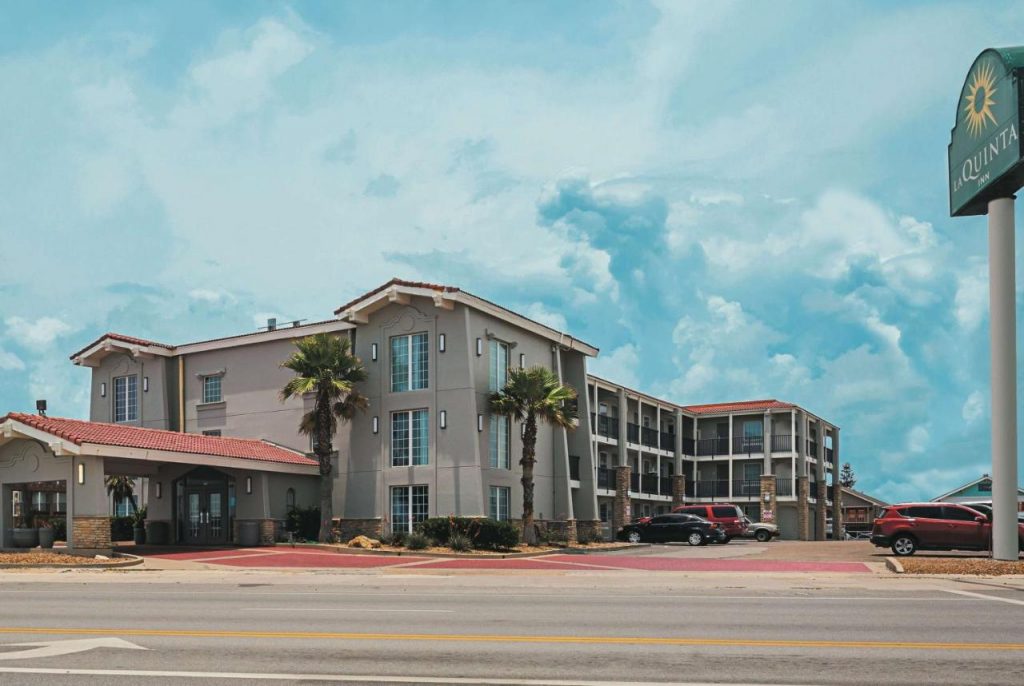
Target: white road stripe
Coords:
[(337, 609), (985, 597), (345, 678)]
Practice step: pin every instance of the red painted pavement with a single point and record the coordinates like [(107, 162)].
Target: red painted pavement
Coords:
[(675, 564)]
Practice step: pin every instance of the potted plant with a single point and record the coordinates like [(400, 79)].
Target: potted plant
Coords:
[(46, 533), (139, 526), (24, 536)]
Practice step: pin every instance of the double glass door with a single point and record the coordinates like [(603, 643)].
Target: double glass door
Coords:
[(205, 516)]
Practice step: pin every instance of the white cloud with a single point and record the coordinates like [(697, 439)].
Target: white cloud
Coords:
[(212, 296), (973, 407), (10, 362), (620, 365), (41, 332), (917, 439), (539, 312), (971, 301)]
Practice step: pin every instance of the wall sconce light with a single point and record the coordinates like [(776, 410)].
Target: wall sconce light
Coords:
[(522, 430), (441, 342), (479, 347), (373, 352), (479, 422), (159, 490), (145, 384), (248, 485), (81, 473), (443, 419), (522, 360), (767, 497), (103, 389), (376, 425)]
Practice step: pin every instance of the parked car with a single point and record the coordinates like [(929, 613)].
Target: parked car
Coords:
[(729, 517), (670, 528), (909, 527), (986, 509), (762, 531)]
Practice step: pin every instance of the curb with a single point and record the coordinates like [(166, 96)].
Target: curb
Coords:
[(894, 565), (128, 561)]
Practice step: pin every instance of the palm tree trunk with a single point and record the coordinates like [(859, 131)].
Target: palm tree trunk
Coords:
[(529, 459), (323, 454)]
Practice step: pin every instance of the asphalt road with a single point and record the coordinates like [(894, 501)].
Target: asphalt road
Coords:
[(584, 627)]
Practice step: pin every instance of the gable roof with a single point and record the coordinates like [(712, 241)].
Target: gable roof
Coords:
[(864, 496), (397, 289), (81, 432), (739, 406), (964, 487)]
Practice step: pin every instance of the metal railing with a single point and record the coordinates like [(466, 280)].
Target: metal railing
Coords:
[(745, 445), (606, 478), (668, 441), (712, 446), (633, 433), (828, 454), (712, 489), (782, 443), (783, 486), (574, 467), (649, 483), (812, 448), (688, 446), (666, 484), (649, 436), (634, 483), (812, 490), (604, 425), (746, 488)]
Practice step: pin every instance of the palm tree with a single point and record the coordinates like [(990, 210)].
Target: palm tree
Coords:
[(122, 488), (326, 368), (529, 395)]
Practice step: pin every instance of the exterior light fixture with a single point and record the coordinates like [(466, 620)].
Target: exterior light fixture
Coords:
[(443, 419), (81, 473), (522, 360), (103, 389), (373, 352), (159, 489), (248, 485), (376, 424), (479, 420), (767, 497), (441, 342), (145, 384), (479, 347)]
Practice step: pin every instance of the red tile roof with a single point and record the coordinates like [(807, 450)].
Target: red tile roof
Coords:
[(79, 431), (123, 338), (740, 406), (398, 282)]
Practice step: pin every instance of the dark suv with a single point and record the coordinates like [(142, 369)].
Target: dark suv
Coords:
[(909, 527), (728, 516)]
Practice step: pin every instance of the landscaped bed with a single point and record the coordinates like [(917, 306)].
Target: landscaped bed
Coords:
[(516, 550), (46, 557), (974, 566)]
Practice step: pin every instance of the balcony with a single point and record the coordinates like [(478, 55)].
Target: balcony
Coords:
[(688, 446), (649, 437), (746, 445), (574, 467), (712, 489), (783, 486), (712, 447), (634, 482), (666, 485), (746, 488), (812, 448), (649, 484), (632, 433), (828, 454), (604, 425), (812, 490), (668, 441), (782, 443), (606, 478)]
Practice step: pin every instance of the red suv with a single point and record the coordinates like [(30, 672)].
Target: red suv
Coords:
[(729, 517), (909, 527)]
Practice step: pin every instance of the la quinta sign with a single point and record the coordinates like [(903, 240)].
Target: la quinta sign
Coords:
[(985, 148)]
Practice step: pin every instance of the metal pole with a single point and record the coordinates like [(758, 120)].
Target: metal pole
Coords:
[(1003, 349)]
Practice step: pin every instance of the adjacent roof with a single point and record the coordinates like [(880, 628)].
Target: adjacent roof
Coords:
[(81, 432), (969, 484), (445, 296), (739, 406), (864, 496), (131, 340)]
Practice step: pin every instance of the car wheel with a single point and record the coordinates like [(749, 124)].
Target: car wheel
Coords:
[(633, 537), (696, 538), (763, 535), (904, 545)]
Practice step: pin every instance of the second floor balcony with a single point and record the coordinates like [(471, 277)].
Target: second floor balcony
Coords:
[(603, 425), (606, 478), (574, 467)]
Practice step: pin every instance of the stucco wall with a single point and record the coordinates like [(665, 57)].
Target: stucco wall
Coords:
[(153, 404)]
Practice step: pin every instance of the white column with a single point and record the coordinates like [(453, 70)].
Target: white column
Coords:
[(730, 435), (1003, 351)]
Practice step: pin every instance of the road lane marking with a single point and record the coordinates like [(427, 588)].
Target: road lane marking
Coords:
[(345, 678), (337, 609), (498, 638), (65, 647), (985, 597)]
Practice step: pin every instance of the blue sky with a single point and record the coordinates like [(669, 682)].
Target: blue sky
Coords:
[(732, 200)]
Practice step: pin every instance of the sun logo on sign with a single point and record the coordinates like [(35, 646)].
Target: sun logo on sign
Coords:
[(978, 102)]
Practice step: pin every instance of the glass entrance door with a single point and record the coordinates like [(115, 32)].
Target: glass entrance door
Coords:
[(205, 516)]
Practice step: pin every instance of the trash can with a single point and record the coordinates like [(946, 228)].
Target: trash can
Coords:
[(248, 533)]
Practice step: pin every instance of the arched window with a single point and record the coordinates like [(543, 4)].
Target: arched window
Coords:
[(289, 499)]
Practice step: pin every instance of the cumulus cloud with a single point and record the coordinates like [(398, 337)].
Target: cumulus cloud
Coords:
[(539, 312), (37, 333), (974, 407), (10, 362), (621, 365)]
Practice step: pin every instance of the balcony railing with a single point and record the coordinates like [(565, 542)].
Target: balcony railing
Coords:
[(606, 478), (783, 486), (649, 436), (688, 446), (812, 490), (574, 467), (746, 488), (828, 454), (666, 484), (634, 483), (633, 433), (812, 448), (668, 441), (782, 443), (649, 483), (712, 446), (745, 445), (712, 489), (604, 425)]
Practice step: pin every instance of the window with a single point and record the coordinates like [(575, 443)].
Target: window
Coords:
[(985, 487), (409, 437), (211, 389), (409, 362), (289, 499), (126, 398), (409, 506), (498, 365), (212, 432), (499, 502), (603, 512), (725, 511), (602, 409), (958, 513), (60, 502), (39, 502), (499, 442), (924, 511)]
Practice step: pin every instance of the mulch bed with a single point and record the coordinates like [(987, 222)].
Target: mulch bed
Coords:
[(39, 557), (967, 566), (518, 550)]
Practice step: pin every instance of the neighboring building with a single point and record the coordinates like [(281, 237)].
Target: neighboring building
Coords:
[(427, 445), (860, 510), (977, 491)]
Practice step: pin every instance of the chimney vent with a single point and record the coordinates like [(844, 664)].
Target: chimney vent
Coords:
[(271, 323), (41, 407)]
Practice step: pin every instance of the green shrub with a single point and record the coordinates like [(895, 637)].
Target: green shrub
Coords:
[(60, 529), (393, 538), (120, 529), (460, 543), (304, 522), (417, 541), (483, 534), (584, 538)]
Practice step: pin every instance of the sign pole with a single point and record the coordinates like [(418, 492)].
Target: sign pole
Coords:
[(1003, 350)]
